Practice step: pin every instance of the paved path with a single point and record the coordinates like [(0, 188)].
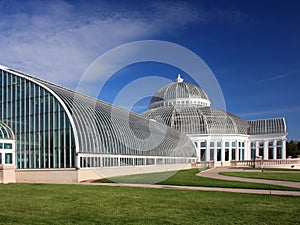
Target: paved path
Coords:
[(191, 188), (214, 173)]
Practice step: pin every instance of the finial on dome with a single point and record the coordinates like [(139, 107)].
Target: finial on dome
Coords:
[(179, 79)]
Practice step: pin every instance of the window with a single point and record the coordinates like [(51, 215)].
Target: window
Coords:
[(233, 154), (8, 158), (202, 154), (212, 155), (7, 146), (218, 154), (226, 154), (233, 144)]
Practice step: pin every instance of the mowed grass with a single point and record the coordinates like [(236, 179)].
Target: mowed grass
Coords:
[(268, 169), (84, 204), (189, 178), (289, 176)]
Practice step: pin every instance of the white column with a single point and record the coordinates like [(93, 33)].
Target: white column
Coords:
[(222, 151), (283, 153), (247, 150), (266, 150), (207, 153), (230, 151), (275, 149), (215, 152), (257, 148), (198, 151)]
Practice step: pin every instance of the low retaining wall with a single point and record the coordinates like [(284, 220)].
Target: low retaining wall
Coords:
[(59, 176), (7, 173), (99, 173), (69, 176)]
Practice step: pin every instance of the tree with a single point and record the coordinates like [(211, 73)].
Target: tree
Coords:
[(293, 148)]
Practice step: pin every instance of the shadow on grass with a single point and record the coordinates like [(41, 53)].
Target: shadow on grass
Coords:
[(189, 178)]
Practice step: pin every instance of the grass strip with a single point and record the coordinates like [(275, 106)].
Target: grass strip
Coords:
[(83, 204), (294, 177), (189, 178)]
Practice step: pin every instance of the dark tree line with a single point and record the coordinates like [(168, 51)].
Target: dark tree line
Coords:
[(293, 148)]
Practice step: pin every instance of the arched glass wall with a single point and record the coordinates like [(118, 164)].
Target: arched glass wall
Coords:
[(59, 128), (44, 138)]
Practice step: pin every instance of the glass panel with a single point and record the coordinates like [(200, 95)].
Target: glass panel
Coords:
[(226, 154), (7, 146), (227, 144), (233, 154), (8, 158), (219, 155)]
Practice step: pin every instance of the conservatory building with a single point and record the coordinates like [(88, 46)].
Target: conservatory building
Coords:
[(218, 136), (52, 134)]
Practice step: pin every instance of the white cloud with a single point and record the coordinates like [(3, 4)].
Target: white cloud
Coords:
[(57, 40), (281, 76)]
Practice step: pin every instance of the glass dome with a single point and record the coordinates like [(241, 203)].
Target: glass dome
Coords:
[(178, 93), (186, 107), (193, 119)]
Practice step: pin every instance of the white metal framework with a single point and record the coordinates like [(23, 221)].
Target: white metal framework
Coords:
[(179, 93), (217, 135), (59, 128), (268, 138), (7, 144)]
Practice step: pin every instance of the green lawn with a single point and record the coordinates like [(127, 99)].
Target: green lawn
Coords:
[(83, 204), (189, 178), (266, 175), (268, 169)]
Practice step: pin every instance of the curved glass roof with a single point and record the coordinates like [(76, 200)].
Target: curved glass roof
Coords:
[(267, 126), (179, 90), (194, 119), (6, 132), (105, 129)]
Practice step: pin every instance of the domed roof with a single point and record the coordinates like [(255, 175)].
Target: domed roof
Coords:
[(194, 119), (6, 132), (179, 92)]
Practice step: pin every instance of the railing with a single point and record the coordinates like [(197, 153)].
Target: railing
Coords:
[(244, 163), (260, 163)]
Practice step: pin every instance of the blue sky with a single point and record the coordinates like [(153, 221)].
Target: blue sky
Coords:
[(252, 47)]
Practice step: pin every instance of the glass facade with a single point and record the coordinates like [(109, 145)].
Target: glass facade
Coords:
[(44, 138), (194, 119), (267, 126), (58, 128), (179, 105)]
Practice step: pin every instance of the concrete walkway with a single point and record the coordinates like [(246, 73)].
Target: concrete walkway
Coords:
[(214, 173), (191, 188)]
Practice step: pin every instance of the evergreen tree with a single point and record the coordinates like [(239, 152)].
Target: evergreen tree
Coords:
[(293, 148)]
